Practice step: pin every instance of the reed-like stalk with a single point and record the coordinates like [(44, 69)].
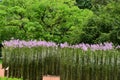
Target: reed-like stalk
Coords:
[(68, 63)]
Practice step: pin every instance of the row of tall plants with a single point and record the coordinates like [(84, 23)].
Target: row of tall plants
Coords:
[(70, 62)]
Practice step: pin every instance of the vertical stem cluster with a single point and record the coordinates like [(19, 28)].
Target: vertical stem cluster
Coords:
[(68, 63)]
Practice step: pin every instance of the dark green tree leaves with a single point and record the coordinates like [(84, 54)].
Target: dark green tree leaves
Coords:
[(84, 4)]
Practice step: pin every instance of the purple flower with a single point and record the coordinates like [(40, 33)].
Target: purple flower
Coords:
[(84, 47), (118, 47), (63, 45), (35, 43)]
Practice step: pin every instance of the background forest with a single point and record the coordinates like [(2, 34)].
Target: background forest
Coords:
[(72, 21)]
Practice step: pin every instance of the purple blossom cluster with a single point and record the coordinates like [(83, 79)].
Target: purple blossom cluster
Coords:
[(118, 47), (35, 43), (93, 47), (32, 43)]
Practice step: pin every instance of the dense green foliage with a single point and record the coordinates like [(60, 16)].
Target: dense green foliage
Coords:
[(68, 63), (104, 25), (43, 19), (72, 21)]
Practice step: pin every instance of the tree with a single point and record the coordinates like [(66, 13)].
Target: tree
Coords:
[(104, 26), (57, 21)]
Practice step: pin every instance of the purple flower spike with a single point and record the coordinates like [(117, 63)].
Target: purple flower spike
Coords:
[(64, 45), (84, 47), (34, 43)]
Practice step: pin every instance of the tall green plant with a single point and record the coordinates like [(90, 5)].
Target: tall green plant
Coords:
[(68, 63)]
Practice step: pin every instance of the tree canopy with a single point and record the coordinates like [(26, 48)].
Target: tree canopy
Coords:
[(72, 21)]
